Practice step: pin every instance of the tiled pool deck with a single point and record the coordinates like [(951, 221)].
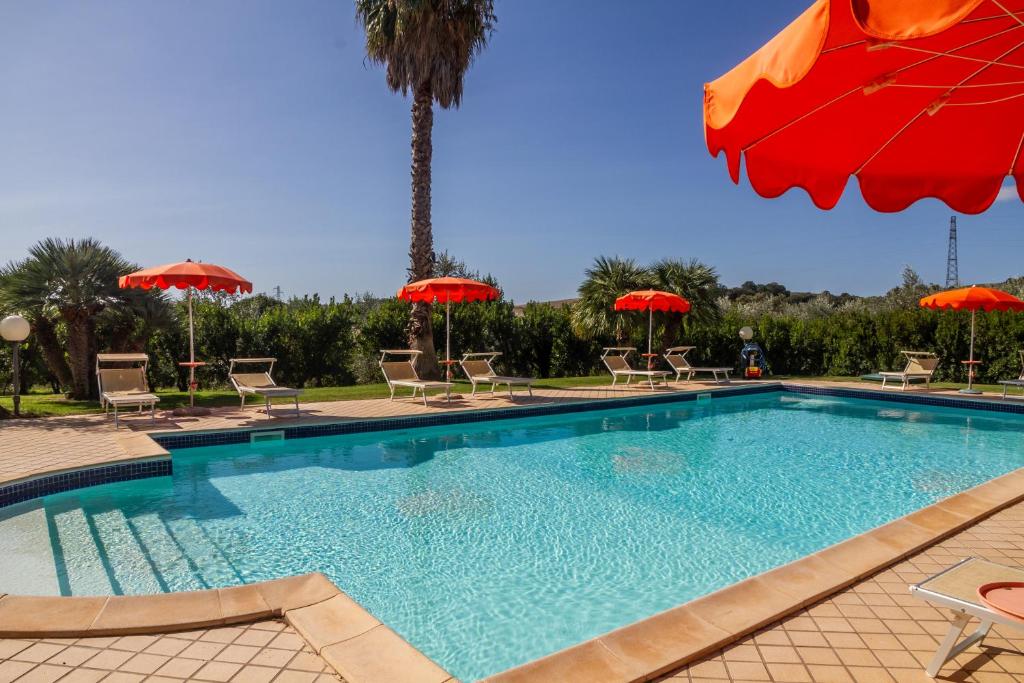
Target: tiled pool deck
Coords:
[(870, 630)]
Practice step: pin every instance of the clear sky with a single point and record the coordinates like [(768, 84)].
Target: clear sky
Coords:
[(253, 134)]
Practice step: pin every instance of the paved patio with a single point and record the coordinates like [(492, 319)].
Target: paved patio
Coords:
[(260, 652)]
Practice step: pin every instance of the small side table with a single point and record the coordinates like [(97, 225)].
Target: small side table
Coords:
[(650, 359), (970, 376), (448, 368), (192, 384)]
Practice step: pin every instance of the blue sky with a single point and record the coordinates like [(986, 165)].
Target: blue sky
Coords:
[(253, 134)]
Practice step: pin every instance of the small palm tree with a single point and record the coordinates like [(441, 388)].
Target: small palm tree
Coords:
[(603, 283), (69, 282), (426, 47)]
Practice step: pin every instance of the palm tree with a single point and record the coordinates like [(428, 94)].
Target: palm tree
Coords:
[(603, 283), (67, 282), (697, 283), (426, 47)]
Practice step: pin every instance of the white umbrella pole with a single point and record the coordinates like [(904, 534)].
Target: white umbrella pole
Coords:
[(650, 333), (448, 337), (191, 354), (970, 364)]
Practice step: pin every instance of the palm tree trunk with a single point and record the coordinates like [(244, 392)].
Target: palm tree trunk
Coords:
[(421, 248), (46, 338), (80, 356)]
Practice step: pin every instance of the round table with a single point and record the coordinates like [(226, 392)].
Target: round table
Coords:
[(448, 368), (192, 384)]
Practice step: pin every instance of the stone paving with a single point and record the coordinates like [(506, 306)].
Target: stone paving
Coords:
[(876, 631), (260, 652)]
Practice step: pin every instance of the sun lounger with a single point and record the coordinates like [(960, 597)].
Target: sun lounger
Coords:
[(676, 357), (956, 589), (402, 373), (616, 359), (920, 365), (478, 367), (1019, 382), (259, 383), (121, 378)]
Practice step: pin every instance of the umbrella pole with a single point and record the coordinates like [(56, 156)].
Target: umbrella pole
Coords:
[(970, 365), (650, 334), (191, 354), (448, 338)]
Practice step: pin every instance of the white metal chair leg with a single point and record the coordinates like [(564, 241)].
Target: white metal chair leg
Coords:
[(950, 648)]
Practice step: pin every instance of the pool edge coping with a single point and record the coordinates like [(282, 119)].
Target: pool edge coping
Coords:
[(338, 629)]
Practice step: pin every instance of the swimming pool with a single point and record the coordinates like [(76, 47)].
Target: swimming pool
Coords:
[(490, 544)]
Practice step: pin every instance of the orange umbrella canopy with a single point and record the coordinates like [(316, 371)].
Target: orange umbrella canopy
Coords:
[(916, 98), (974, 299), (652, 300), (447, 289), (187, 274)]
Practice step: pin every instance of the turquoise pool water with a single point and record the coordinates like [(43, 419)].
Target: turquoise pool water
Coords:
[(491, 544)]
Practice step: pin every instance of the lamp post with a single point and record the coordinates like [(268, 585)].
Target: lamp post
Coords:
[(15, 329)]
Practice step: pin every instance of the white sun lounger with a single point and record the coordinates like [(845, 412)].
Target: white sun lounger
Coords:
[(260, 383), (616, 359), (1019, 382), (122, 383), (676, 357), (920, 365), (478, 367), (402, 373), (956, 589)]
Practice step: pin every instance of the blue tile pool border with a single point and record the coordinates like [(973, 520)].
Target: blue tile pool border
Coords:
[(48, 484), (173, 442), (45, 485)]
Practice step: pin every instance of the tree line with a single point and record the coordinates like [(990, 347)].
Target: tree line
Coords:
[(68, 291)]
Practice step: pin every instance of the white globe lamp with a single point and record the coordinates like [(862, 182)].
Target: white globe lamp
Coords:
[(746, 334), (15, 329)]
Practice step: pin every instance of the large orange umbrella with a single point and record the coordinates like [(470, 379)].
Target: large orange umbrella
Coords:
[(447, 290), (651, 300), (188, 275), (915, 98), (973, 299)]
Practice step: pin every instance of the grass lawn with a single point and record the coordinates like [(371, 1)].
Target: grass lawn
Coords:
[(45, 404)]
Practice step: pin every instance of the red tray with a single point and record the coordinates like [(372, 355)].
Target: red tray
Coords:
[(1006, 597)]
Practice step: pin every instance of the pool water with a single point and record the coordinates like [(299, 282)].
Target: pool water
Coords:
[(491, 544)]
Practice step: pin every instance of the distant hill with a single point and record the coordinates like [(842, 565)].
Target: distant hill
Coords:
[(555, 303)]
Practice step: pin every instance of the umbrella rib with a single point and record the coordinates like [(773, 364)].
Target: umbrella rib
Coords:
[(1008, 12), (1016, 154), (933, 55), (929, 109), (976, 104)]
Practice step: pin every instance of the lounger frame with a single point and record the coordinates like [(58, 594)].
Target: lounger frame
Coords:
[(616, 359), (403, 374), (244, 383), (963, 612), (920, 365), (470, 365), (134, 388), (679, 352), (1019, 382)]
